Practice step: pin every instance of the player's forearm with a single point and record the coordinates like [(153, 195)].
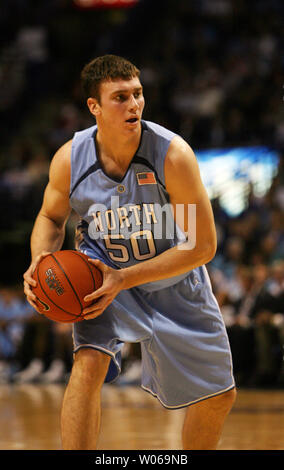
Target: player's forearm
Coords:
[(46, 236), (173, 262)]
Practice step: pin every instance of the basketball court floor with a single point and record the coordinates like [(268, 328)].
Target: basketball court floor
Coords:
[(134, 420)]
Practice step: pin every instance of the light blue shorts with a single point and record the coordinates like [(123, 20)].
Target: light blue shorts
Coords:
[(185, 351)]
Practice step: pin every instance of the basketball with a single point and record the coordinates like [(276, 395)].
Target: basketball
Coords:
[(63, 279)]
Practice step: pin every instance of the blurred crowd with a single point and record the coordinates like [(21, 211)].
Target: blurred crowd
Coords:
[(31, 347), (212, 72), (247, 276)]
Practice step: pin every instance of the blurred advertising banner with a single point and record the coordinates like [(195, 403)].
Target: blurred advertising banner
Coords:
[(93, 4)]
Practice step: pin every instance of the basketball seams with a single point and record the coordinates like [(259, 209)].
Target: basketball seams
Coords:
[(92, 274), (78, 253), (57, 306), (71, 285)]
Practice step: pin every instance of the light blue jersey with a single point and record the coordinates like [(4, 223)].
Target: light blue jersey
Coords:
[(127, 221), (185, 351)]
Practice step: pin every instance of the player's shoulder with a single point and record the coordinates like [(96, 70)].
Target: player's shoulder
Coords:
[(84, 134), (179, 152), (178, 147), (62, 157), (60, 167), (158, 130)]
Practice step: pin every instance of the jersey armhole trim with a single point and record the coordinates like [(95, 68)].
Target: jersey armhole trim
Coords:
[(90, 170)]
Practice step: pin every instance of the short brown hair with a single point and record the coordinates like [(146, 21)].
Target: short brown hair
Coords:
[(107, 67)]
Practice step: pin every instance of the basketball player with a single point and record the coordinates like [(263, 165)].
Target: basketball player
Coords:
[(119, 176)]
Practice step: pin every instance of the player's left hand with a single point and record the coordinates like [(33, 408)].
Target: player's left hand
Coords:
[(102, 297)]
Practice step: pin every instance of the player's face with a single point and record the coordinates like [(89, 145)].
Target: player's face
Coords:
[(121, 105)]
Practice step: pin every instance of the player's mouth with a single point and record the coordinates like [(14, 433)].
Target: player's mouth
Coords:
[(132, 120)]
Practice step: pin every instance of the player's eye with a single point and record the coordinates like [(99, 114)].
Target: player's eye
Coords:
[(120, 98)]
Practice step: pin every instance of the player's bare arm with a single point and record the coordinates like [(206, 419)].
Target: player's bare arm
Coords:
[(49, 228), (184, 185)]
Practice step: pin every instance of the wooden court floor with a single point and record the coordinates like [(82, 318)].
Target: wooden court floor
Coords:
[(134, 420)]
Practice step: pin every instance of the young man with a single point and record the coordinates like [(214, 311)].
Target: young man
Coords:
[(121, 176)]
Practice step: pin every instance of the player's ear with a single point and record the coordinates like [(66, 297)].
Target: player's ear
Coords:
[(93, 106)]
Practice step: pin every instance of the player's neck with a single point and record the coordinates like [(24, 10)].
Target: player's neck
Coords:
[(120, 149)]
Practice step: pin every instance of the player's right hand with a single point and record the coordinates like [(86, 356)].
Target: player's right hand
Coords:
[(30, 282)]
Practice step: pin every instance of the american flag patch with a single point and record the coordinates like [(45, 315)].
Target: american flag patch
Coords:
[(147, 177)]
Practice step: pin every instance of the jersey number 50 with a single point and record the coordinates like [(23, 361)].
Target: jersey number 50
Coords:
[(119, 252)]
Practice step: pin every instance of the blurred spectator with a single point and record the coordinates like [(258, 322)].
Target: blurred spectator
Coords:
[(34, 353), (45, 353), (61, 359), (14, 312), (32, 348)]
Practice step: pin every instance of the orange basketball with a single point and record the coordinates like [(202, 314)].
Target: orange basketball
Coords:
[(63, 279)]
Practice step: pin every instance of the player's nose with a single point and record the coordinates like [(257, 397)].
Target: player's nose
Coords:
[(133, 105)]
